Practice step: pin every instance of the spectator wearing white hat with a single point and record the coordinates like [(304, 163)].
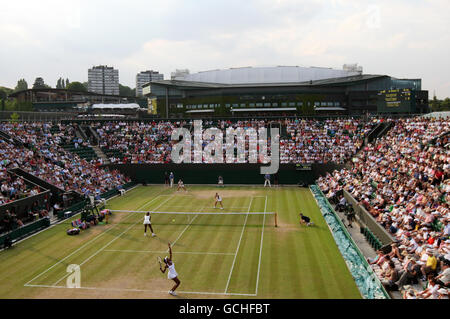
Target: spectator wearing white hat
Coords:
[(430, 265)]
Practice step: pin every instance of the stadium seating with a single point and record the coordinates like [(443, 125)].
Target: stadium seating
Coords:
[(402, 179), (301, 141), (48, 154)]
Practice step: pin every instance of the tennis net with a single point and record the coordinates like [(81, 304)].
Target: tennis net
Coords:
[(255, 219)]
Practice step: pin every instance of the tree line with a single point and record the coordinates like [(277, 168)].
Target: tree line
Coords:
[(62, 83), (39, 83), (437, 105)]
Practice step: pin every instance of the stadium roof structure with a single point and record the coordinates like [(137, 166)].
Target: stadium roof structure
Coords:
[(323, 82), (269, 74)]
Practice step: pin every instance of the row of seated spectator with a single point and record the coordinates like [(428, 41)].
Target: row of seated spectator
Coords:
[(403, 182), (137, 142), (305, 141), (43, 157), (10, 220), (331, 140), (13, 187)]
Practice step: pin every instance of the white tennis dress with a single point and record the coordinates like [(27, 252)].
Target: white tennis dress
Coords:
[(147, 220), (172, 272), (219, 199)]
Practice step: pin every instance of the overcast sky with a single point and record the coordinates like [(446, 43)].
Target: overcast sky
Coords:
[(53, 38)]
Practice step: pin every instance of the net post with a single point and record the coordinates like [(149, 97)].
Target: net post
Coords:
[(276, 219)]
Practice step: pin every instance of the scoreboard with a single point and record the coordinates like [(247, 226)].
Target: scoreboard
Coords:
[(394, 98), (395, 101)]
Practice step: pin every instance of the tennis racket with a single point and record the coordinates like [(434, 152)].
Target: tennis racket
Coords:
[(159, 261)]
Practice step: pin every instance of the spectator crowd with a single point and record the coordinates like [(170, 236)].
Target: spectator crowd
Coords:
[(301, 140), (403, 181), (14, 187), (331, 140), (42, 155)]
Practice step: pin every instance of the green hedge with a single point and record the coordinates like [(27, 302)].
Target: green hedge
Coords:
[(368, 284)]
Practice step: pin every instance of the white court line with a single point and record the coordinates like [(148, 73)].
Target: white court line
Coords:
[(260, 247), (109, 243), (89, 242), (144, 290), (227, 207), (164, 251), (239, 244)]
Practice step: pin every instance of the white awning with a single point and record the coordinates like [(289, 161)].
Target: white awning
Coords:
[(329, 108), (200, 111), (264, 109), (116, 106)]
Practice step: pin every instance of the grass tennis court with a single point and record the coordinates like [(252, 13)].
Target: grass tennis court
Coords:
[(216, 256)]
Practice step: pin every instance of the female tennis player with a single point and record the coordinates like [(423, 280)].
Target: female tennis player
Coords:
[(218, 200), (181, 185), (148, 223), (172, 274)]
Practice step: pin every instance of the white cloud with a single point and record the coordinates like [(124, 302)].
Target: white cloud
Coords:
[(49, 38)]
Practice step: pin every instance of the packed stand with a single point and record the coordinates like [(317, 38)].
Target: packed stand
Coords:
[(43, 157), (403, 182), (331, 140), (14, 188), (305, 141), (136, 142)]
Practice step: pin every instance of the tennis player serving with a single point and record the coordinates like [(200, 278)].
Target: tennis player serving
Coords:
[(172, 274)]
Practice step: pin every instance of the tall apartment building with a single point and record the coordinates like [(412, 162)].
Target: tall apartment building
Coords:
[(104, 80), (145, 77)]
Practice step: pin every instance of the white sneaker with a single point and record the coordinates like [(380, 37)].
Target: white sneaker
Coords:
[(153, 235), (145, 234), (172, 293), (221, 207)]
